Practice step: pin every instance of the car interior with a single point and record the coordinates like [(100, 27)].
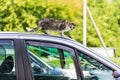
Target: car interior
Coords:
[(7, 64), (6, 69)]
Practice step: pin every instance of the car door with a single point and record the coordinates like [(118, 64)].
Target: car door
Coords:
[(53, 61)]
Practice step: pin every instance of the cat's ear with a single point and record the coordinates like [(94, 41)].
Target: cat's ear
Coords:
[(65, 21), (74, 24)]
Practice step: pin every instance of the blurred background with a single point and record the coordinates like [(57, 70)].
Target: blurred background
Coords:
[(16, 15)]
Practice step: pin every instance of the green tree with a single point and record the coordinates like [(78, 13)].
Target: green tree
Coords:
[(106, 16)]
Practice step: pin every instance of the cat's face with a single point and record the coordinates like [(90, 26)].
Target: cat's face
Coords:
[(70, 25)]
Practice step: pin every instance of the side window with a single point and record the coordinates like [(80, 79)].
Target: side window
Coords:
[(7, 62), (93, 69), (51, 63)]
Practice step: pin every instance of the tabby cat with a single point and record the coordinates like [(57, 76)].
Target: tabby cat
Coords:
[(56, 25)]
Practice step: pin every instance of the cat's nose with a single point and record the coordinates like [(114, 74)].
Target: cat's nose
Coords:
[(73, 28)]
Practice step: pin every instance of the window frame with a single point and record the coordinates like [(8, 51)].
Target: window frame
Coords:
[(78, 68), (87, 53), (23, 70)]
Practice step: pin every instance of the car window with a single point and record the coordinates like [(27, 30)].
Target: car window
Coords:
[(51, 62), (7, 62), (93, 69)]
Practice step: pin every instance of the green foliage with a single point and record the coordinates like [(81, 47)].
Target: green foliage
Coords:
[(106, 15), (16, 15), (116, 60)]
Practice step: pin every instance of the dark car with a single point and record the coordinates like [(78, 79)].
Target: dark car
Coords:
[(26, 56)]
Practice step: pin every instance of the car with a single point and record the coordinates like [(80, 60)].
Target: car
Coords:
[(33, 56)]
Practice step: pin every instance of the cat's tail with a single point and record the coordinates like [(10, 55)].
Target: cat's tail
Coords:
[(28, 29), (36, 28), (33, 30)]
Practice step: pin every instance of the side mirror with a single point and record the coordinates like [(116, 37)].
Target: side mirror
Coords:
[(116, 75)]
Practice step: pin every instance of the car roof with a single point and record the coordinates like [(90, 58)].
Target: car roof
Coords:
[(27, 34), (32, 36), (57, 39), (37, 36)]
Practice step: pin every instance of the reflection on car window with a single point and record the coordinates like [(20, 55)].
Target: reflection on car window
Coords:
[(93, 69), (50, 63), (7, 62)]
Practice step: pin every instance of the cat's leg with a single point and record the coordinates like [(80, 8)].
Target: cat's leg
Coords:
[(44, 31), (62, 34)]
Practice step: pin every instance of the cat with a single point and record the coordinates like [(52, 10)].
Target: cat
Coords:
[(60, 26)]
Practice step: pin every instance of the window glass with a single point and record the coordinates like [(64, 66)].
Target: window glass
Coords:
[(93, 69), (7, 62), (51, 63)]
